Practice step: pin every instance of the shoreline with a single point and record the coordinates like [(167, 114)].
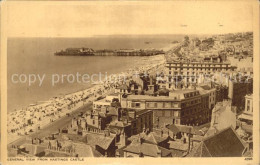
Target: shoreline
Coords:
[(88, 95), (78, 106), (78, 90)]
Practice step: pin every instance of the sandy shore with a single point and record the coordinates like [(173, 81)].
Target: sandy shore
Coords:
[(59, 107)]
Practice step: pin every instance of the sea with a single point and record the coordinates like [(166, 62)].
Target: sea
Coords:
[(35, 56)]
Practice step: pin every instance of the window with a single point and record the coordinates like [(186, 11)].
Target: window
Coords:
[(167, 113), (176, 113), (137, 105), (248, 108), (167, 105), (175, 105), (159, 113), (155, 105)]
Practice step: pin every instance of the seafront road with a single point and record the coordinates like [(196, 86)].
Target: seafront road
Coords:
[(62, 122), (54, 126)]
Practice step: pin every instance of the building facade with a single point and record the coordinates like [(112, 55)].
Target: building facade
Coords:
[(180, 107), (247, 115), (193, 71), (221, 93), (223, 115), (238, 89)]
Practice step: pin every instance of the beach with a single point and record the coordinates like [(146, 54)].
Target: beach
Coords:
[(30, 112), (35, 117), (36, 56)]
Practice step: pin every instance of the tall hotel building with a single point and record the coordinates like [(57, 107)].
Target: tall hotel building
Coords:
[(184, 70)]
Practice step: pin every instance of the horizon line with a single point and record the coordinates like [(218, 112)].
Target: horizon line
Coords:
[(108, 35)]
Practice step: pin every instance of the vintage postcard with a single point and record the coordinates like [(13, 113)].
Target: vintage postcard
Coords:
[(101, 81)]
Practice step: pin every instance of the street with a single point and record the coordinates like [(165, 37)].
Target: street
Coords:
[(53, 127)]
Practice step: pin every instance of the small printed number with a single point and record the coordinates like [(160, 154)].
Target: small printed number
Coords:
[(248, 158)]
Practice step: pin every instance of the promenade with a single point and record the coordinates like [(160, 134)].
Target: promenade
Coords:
[(56, 110), (53, 127)]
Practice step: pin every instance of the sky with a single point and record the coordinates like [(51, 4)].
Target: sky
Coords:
[(84, 19)]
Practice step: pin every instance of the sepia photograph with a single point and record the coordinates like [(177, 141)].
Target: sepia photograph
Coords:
[(122, 79)]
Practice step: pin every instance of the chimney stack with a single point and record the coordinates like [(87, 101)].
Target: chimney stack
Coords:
[(140, 139), (107, 133)]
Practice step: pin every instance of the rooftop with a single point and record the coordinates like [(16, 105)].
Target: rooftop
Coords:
[(179, 145), (147, 149), (222, 106), (225, 143), (174, 95), (99, 139), (84, 150), (155, 138), (180, 128), (148, 98), (118, 124), (33, 149)]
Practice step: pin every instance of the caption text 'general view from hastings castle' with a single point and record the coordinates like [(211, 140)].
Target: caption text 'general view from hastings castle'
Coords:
[(180, 95)]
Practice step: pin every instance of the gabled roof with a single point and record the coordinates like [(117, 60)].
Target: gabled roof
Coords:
[(155, 139), (99, 139), (180, 128), (147, 149), (84, 150), (200, 130), (200, 151), (225, 143), (34, 149)]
